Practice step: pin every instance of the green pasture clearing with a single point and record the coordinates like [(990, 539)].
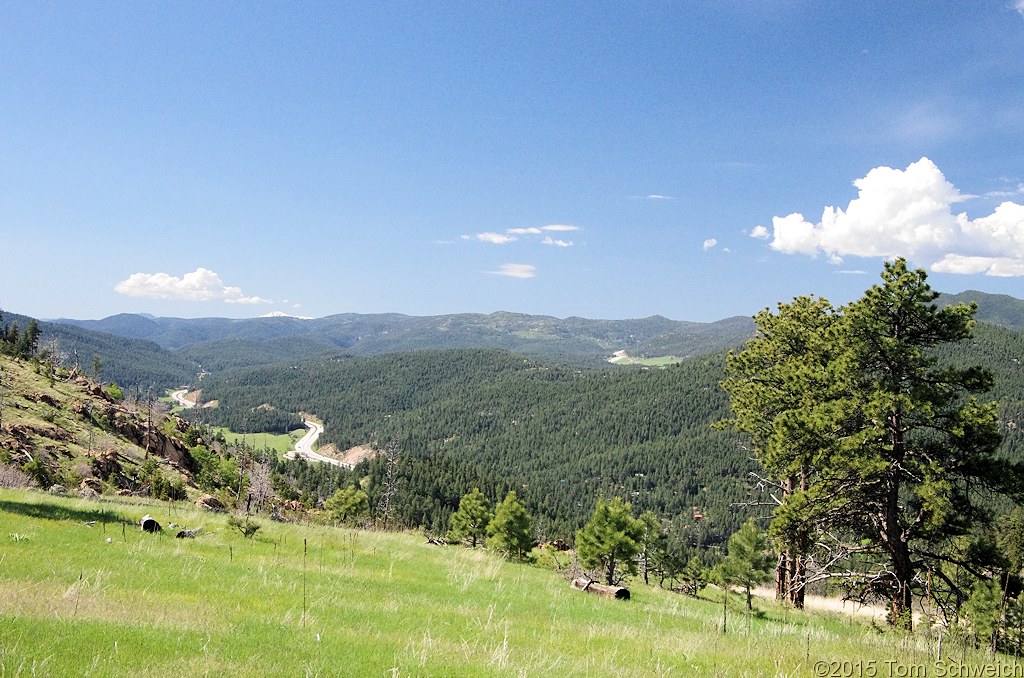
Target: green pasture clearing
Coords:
[(657, 361), (322, 601), (279, 442)]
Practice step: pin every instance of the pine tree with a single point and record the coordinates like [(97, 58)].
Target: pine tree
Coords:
[(510, 531), (347, 504), (653, 542), (747, 562), (890, 450), (694, 576), (471, 520), (28, 343), (782, 389), (610, 541)]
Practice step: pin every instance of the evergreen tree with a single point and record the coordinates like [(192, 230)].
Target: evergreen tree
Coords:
[(694, 576), (510, 531), (747, 562), (984, 612), (653, 542), (347, 504), (782, 389), (919, 443), (890, 450), (471, 520), (27, 344), (610, 541)]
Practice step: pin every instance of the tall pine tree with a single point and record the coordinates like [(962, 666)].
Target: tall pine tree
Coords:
[(891, 452)]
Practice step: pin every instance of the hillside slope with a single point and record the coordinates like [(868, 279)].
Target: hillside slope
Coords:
[(995, 309), (69, 431), (318, 601), (134, 363)]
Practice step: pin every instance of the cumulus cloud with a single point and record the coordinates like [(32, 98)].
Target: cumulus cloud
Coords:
[(710, 243), (201, 284), (525, 231), (909, 213), (761, 233), (516, 270), (560, 227)]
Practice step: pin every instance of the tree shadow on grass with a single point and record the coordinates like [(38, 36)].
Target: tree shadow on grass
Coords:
[(58, 512)]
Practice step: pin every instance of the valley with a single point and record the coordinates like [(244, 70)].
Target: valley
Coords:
[(420, 429)]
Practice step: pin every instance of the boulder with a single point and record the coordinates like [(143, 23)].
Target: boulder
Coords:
[(93, 484), (209, 502)]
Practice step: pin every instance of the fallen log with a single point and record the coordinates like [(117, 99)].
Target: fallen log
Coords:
[(188, 534), (591, 586)]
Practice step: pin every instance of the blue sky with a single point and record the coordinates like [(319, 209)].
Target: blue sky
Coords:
[(606, 160)]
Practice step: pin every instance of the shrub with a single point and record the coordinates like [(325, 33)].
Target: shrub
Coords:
[(13, 477), (247, 528)]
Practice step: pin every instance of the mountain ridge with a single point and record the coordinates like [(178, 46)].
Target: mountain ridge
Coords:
[(173, 351), (212, 341)]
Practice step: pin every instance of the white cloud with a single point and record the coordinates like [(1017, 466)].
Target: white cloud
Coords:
[(493, 238), (709, 244), (761, 233), (655, 196), (1019, 6), (1006, 194), (548, 240), (516, 270), (908, 213), (201, 284), (514, 234)]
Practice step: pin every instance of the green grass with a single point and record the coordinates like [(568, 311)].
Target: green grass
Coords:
[(280, 442), (321, 601), (657, 361)]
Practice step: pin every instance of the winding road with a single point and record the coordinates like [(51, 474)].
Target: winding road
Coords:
[(303, 448), (179, 397)]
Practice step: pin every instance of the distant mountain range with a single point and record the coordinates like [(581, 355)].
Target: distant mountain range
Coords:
[(221, 343), (160, 352), (995, 309)]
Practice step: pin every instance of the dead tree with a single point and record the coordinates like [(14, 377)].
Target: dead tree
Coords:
[(591, 586), (391, 457)]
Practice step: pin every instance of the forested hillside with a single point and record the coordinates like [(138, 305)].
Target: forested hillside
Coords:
[(560, 437), (995, 309), (1000, 350), (136, 364)]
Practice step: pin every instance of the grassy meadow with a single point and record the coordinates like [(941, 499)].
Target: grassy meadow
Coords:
[(83, 592), (279, 442)]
